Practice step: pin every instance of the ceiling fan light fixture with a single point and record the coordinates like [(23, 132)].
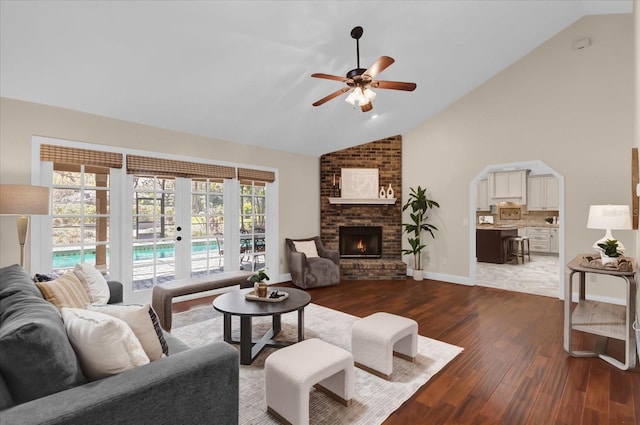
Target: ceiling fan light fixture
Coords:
[(368, 95), (358, 80), (359, 97), (355, 96)]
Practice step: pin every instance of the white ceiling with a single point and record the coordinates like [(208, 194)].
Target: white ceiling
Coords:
[(240, 70)]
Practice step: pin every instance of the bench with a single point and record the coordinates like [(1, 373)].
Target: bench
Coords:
[(162, 295)]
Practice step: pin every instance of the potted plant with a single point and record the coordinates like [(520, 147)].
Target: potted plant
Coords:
[(258, 282), (419, 205), (609, 251)]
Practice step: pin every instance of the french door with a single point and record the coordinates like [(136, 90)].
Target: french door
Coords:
[(156, 232)]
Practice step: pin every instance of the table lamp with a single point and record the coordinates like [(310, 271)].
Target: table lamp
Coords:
[(608, 218), (23, 201)]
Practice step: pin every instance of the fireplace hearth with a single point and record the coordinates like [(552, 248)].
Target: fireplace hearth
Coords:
[(360, 241)]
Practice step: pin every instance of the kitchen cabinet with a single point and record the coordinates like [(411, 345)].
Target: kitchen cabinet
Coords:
[(482, 196), (539, 239), (554, 246), (489, 245), (542, 193), (508, 186)]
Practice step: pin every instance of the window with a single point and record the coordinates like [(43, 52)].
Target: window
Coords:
[(146, 220), (80, 216)]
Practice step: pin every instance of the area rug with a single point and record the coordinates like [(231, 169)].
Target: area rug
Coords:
[(375, 398)]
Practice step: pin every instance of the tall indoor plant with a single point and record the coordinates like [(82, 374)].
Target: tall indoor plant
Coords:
[(420, 205)]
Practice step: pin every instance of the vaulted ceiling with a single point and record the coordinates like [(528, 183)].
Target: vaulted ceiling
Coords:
[(240, 70)]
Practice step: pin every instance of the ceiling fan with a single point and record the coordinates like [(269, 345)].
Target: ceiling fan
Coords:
[(360, 80)]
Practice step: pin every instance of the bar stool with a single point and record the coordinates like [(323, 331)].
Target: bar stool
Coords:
[(516, 246)]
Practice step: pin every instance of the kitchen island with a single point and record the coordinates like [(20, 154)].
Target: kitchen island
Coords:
[(489, 245)]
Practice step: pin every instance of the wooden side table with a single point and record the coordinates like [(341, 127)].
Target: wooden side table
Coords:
[(599, 318)]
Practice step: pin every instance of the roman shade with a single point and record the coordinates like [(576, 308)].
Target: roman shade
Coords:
[(256, 175), (169, 167), (77, 156)]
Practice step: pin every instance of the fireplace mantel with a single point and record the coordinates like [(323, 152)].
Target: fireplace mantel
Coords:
[(363, 201)]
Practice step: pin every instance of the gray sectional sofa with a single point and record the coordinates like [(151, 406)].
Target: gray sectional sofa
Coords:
[(41, 381)]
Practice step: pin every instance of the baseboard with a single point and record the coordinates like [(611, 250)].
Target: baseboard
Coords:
[(461, 280)]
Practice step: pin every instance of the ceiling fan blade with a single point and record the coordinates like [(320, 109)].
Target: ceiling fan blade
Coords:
[(331, 96), (329, 77), (378, 66), (393, 85)]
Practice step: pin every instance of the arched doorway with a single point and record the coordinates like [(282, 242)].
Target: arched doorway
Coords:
[(536, 168)]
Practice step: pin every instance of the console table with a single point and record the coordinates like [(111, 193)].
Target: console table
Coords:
[(599, 318)]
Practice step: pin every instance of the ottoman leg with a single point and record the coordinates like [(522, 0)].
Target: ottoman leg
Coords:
[(288, 402), (339, 386), (373, 354), (407, 347)]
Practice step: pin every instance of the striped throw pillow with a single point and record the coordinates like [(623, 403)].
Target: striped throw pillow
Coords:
[(65, 291)]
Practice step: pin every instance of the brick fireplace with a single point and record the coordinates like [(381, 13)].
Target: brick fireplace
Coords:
[(386, 156)]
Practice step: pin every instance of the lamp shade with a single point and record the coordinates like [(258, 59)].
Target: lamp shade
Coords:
[(17, 199), (612, 217)]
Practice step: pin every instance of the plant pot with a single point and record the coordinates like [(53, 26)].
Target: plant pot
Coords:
[(418, 274), (606, 259)]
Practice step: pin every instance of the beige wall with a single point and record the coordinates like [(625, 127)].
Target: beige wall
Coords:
[(299, 205), (574, 110)]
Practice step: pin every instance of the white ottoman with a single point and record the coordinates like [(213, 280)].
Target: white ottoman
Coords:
[(290, 372), (376, 338)]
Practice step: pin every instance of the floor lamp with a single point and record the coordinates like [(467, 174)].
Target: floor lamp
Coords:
[(23, 201)]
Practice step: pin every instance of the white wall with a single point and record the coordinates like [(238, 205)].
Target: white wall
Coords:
[(299, 192), (574, 110)]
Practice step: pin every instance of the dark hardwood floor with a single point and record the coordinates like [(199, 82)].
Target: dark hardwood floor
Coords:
[(513, 370)]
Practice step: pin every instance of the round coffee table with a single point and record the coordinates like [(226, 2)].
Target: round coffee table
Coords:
[(234, 303)]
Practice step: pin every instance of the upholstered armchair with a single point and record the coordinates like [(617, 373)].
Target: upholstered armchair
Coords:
[(311, 264)]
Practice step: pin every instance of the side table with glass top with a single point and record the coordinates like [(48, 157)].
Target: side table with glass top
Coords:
[(600, 318)]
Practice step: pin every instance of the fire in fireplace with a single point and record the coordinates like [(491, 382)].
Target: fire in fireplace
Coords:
[(360, 241)]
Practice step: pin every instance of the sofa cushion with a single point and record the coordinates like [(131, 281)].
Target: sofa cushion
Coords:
[(105, 344), (94, 283), (65, 291), (36, 358), (139, 320), (174, 345), (6, 400), (16, 279)]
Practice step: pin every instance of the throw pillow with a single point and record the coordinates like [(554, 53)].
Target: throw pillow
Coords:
[(105, 344), (94, 283), (65, 291), (158, 329), (36, 357), (42, 277), (139, 320), (307, 247)]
